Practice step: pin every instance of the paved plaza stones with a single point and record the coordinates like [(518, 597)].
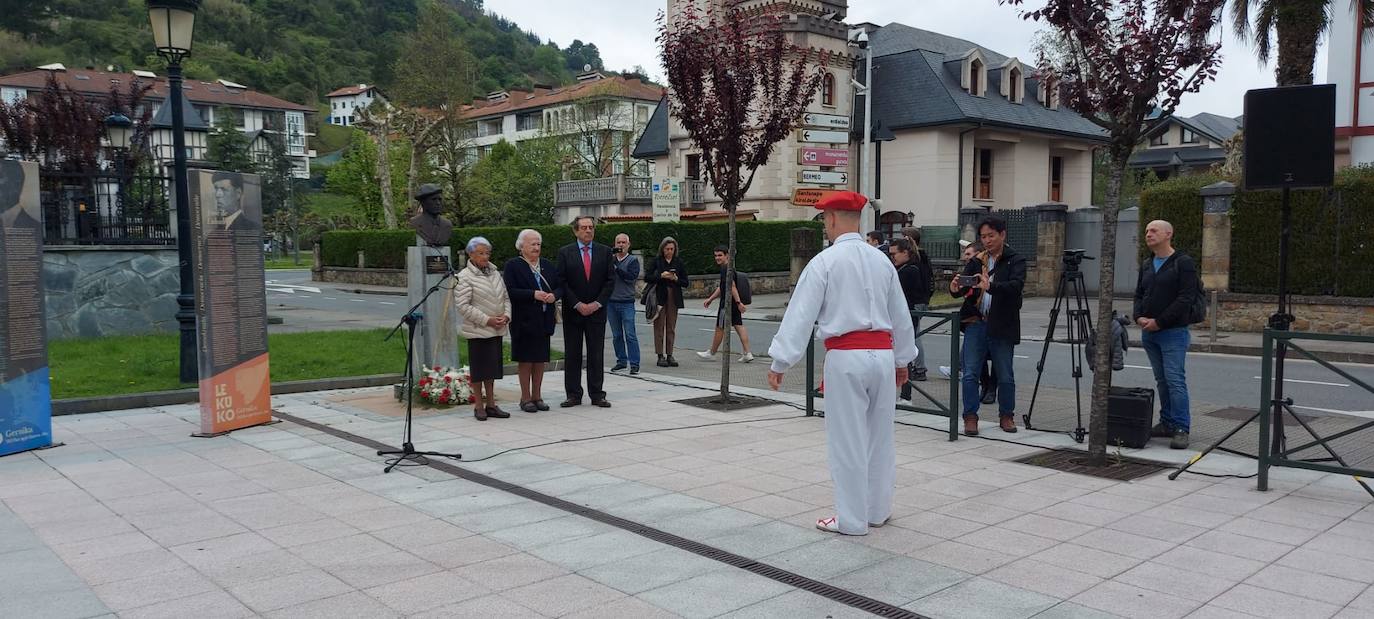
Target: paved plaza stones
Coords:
[(133, 518)]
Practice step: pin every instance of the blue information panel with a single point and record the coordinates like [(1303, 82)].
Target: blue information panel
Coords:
[(25, 393)]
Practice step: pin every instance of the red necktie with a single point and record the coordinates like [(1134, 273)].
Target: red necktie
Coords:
[(587, 262)]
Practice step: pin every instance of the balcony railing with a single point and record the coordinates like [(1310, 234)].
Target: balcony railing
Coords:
[(621, 189)]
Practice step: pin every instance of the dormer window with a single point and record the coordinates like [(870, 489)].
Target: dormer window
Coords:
[(974, 75), (1049, 92), (1014, 87)]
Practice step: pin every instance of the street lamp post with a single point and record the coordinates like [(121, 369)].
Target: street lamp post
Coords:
[(117, 130), (173, 23)]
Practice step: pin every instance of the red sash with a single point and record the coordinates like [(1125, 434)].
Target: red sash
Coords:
[(860, 340)]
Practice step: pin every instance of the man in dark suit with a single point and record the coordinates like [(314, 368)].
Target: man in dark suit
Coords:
[(229, 211), (588, 276)]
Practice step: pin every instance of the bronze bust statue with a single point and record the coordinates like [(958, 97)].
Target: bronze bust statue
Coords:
[(433, 229)]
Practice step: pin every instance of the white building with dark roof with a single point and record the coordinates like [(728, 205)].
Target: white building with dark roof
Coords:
[(1175, 145)]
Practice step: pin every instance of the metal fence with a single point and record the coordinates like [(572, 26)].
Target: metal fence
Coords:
[(1023, 229), (104, 208), (946, 405)]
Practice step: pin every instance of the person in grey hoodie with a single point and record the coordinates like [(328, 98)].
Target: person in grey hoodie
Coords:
[(622, 309)]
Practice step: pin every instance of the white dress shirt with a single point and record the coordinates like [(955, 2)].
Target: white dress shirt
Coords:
[(850, 286)]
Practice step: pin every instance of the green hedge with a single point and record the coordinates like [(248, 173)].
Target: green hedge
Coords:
[(1178, 202), (1332, 243), (762, 245)]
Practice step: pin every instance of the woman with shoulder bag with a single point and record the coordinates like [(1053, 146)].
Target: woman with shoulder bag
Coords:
[(668, 276)]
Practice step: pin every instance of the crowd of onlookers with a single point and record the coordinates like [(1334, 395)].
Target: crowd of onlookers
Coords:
[(589, 288)]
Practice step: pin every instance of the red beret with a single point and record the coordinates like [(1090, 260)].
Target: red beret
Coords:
[(843, 201)]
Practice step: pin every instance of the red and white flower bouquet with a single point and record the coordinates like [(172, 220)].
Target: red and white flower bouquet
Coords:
[(445, 386)]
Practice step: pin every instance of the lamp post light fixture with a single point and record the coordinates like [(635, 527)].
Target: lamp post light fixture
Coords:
[(118, 129), (173, 23)]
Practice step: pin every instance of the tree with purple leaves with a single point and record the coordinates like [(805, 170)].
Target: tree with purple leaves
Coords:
[(739, 87), (1114, 62)]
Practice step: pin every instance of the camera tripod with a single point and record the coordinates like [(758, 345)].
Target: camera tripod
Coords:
[(1079, 330)]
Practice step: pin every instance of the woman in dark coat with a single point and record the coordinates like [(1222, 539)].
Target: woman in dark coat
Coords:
[(668, 274), (532, 283)]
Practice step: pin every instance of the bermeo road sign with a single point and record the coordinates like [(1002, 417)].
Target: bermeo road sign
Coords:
[(824, 178)]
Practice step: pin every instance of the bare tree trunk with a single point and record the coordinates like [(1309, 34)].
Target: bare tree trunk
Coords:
[(727, 306), (1102, 361), (384, 173)]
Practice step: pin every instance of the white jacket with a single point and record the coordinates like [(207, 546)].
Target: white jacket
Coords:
[(481, 295)]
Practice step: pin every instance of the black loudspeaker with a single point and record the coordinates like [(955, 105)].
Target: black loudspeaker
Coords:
[(1290, 137), (1130, 413)]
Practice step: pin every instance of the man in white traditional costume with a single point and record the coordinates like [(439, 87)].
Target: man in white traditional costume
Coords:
[(851, 293)]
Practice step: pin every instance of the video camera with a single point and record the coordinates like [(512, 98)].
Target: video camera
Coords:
[(1075, 257)]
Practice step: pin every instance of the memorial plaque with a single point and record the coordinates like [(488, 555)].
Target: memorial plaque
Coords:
[(25, 393), (231, 300), (436, 265)]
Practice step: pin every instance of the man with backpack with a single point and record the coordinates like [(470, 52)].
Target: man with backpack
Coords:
[(1167, 298), (734, 299)]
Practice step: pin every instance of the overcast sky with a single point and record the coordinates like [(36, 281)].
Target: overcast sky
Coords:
[(624, 30)]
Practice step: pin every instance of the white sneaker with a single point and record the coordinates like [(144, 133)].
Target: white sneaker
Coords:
[(746, 357), (944, 371), (706, 354)]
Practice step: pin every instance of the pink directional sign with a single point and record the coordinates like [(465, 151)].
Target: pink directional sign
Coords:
[(823, 156)]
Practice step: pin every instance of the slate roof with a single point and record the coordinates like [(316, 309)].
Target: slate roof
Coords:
[(1212, 126), (190, 118), (1188, 155), (654, 141), (916, 84)]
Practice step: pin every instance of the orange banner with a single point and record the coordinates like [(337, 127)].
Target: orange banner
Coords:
[(809, 197), (238, 397)]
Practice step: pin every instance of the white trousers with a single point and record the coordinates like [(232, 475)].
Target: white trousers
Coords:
[(860, 403)]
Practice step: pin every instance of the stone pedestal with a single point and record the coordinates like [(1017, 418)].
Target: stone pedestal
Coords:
[(969, 216), (1216, 235), (1051, 237), (436, 339)]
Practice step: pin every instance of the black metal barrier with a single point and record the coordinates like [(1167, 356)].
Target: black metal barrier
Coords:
[(1271, 455), (944, 408)]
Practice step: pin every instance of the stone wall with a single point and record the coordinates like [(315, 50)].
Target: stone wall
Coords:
[(366, 277), (1250, 313), (99, 290)]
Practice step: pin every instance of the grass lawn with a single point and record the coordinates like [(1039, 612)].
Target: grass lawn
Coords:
[(136, 364), (289, 262)]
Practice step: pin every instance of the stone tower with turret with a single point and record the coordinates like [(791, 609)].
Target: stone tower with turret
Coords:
[(813, 24)]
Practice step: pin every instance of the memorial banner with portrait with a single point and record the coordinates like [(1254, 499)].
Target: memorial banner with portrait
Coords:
[(231, 300), (25, 390)]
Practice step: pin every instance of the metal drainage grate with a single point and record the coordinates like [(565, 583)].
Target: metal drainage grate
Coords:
[(843, 596), (1120, 468), (737, 402)]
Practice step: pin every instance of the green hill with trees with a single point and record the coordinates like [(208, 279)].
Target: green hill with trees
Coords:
[(296, 49)]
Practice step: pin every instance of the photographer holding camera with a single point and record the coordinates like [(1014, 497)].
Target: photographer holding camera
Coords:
[(622, 314), (991, 285)]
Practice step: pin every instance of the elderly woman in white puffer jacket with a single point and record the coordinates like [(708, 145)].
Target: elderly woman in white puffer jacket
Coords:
[(485, 306)]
